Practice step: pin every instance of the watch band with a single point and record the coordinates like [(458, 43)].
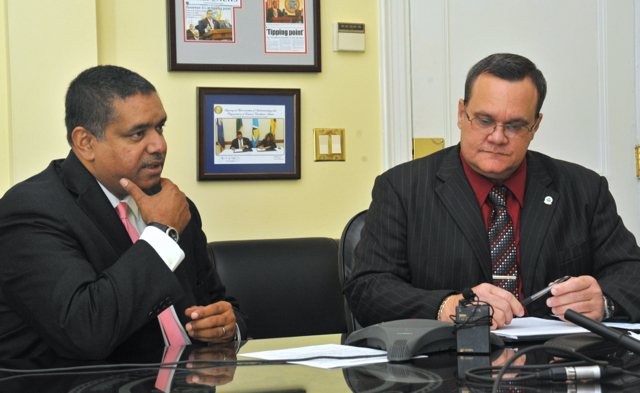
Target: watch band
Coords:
[(169, 230)]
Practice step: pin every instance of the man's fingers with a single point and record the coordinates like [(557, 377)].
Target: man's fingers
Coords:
[(500, 300), (211, 309), (132, 189)]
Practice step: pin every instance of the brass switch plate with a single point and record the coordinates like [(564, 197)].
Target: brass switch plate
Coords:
[(329, 144), (425, 146)]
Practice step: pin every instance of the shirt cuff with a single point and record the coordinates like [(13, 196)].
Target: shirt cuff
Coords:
[(164, 246)]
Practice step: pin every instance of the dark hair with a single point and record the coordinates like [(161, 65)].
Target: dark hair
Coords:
[(89, 100), (510, 67), (273, 139)]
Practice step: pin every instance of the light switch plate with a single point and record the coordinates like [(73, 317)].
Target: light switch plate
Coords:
[(329, 144)]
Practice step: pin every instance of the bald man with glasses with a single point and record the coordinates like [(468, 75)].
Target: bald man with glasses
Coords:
[(491, 215)]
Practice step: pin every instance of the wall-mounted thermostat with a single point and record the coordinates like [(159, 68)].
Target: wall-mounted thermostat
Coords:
[(348, 37)]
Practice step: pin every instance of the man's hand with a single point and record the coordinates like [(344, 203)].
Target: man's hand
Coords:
[(581, 294), (208, 322), (505, 305), (212, 376), (168, 207)]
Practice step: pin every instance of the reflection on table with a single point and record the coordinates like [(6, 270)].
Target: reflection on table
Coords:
[(436, 373)]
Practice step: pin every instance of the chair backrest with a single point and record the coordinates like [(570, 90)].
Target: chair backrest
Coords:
[(348, 241), (287, 287)]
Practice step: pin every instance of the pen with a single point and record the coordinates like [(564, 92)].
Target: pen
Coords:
[(543, 292)]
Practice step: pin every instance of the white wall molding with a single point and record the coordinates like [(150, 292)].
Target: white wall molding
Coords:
[(395, 81), (603, 88)]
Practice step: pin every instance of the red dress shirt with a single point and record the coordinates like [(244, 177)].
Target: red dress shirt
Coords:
[(515, 201)]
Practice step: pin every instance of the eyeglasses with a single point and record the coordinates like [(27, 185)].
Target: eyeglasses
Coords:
[(487, 127)]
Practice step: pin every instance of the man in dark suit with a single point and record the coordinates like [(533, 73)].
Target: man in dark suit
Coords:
[(207, 24), (273, 11), (240, 142), (427, 233), (73, 278)]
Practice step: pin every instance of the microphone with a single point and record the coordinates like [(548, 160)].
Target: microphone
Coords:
[(468, 294), (623, 340)]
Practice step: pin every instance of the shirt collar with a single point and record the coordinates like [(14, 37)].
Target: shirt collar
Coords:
[(115, 201), (481, 185)]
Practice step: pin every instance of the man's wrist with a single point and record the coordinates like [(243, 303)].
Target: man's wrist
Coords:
[(168, 230), (442, 305)]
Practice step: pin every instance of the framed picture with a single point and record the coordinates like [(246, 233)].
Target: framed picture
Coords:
[(244, 35), (248, 133)]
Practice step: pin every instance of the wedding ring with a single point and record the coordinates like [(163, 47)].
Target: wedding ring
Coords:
[(224, 331)]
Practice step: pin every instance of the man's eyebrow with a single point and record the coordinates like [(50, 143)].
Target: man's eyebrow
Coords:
[(511, 121), (143, 126)]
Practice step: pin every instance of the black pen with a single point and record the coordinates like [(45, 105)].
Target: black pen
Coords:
[(543, 292)]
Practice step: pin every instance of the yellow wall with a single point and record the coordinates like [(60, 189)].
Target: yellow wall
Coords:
[(5, 151), (345, 94)]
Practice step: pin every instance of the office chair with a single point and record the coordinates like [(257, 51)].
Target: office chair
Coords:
[(287, 287), (350, 237)]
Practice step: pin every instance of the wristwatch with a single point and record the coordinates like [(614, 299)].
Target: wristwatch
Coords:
[(609, 307), (170, 231)]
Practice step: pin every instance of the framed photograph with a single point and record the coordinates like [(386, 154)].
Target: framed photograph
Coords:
[(244, 35), (248, 134)]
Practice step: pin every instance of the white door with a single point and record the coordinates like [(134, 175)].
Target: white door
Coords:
[(586, 50)]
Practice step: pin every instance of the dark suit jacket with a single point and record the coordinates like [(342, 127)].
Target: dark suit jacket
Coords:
[(71, 281), (272, 13), (202, 26), (424, 238), (245, 141)]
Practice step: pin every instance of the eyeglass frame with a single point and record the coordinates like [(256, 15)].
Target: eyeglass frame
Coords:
[(496, 125)]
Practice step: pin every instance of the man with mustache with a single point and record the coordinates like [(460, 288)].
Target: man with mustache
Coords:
[(491, 215), (100, 253)]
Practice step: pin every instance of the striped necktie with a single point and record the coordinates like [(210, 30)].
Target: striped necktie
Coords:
[(502, 242)]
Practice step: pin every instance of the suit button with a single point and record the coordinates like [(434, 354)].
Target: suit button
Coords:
[(156, 310), (151, 314), (168, 301)]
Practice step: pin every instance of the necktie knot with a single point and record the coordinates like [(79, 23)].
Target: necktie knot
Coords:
[(498, 196)]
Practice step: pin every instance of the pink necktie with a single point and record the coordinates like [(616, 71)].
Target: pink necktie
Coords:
[(169, 324), (165, 375), (122, 213)]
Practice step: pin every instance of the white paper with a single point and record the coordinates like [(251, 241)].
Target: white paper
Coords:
[(531, 326), (623, 325), (323, 350)]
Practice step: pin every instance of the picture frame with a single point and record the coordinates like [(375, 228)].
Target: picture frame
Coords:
[(225, 112), (242, 35)]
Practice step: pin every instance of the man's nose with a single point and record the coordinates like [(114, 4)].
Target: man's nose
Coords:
[(498, 136), (157, 143)]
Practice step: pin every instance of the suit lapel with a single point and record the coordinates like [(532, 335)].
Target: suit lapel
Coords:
[(94, 203), (534, 221), (458, 197)]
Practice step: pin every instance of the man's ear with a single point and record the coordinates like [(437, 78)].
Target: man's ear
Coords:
[(460, 113), (83, 142)]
